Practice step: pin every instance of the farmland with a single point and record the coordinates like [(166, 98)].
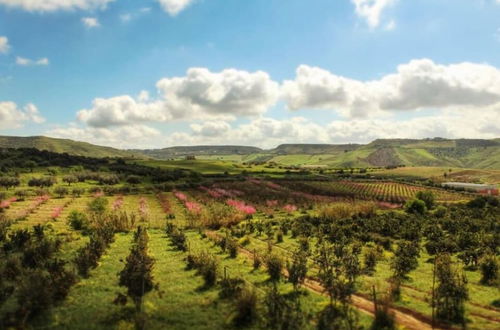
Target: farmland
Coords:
[(105, 244)]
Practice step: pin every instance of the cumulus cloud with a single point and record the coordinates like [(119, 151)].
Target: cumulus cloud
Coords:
[(4, 45), (371, 10), (210, 128), (29, 62), (90, 22), (130, 136), (201, 94), (419, 84), (55, 5), (11, 116), (174, 7)]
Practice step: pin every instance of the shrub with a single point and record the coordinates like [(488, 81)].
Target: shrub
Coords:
[(440, 211), (78, 220), (178, 239), (256, 262), (246, 308), (231, 287), (232, 248), (370, 260), (279, 236), (489, 269), (98, 205), (61, 191), (416, 206), (427, 197), (297, 269), (274, 265), (137, 275), (77, 192), (451, 291)]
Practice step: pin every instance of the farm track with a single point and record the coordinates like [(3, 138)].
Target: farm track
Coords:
[(404, 317)]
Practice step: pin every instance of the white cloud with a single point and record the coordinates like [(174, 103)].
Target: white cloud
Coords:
[(174, 7), (130, 136), (4, 45), (55, 5), (268, 132), (371, 10), (11, 116), (90, 22), (126, 18), (29, 62), (199, 95), (390, 26), (419, 84), (210, 128)]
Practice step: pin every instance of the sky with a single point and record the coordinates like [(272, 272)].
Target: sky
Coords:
[(160, 73)]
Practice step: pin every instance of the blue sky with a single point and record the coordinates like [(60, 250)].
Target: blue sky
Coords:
[(261, 72)]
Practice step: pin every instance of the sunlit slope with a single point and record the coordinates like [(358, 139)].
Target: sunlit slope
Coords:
[(63, 146)]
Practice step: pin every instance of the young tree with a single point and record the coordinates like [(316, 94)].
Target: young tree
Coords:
[(297, 269), (427, 197), (405, 260), (489, 269), (338, 270), (61, 191), (274, 265), (416, 206), (451, 292), (69, 179), (137, 275)]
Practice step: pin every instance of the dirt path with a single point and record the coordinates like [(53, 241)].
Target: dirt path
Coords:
[(406, 318)]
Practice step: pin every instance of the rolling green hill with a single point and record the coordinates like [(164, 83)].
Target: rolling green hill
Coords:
[(437, 152), (174, 152), (64, 146)]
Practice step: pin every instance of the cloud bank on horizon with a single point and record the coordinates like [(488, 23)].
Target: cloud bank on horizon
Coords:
[(306, 103)]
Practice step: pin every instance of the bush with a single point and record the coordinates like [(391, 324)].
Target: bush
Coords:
[(427, 197), (98, 205), (232, 248), (178, 239), (370, 260), (78, 220), (246, 308), (440, 212), (231, 287), (61, 191), (77, 192), (416, 206), (274, 265), (279, 236), (489, 269)]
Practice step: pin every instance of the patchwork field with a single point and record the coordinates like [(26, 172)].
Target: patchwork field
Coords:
[(241, 225)]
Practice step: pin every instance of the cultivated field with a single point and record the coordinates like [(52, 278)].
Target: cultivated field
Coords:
[(227, 253)]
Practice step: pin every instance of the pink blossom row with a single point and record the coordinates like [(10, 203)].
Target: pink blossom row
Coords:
[(241, 206), (6, 203)]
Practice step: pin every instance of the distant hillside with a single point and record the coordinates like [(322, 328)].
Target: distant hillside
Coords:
[(437, 152), (174, 152), (312, 149), (63, 146)]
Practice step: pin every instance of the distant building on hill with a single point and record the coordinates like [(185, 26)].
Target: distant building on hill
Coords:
[(488, 189)]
